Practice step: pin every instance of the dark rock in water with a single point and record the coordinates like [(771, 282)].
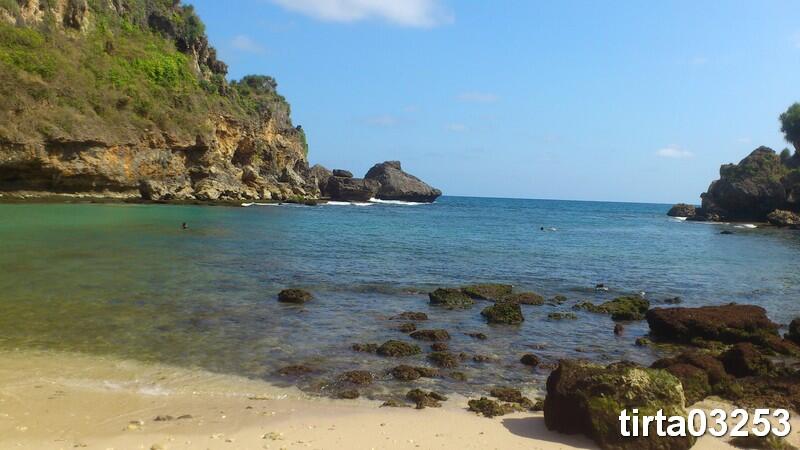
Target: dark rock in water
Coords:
[(503, 313), (295, 370), (342, 173), (743, 360), (394, 184), (728, 323), (488, 291), (458, 376), (558, 299), (348, 394), (600, 287), (682, 210), (726, 232), (445, 360), (701, 374), (630, 307), (768, 442), (587, 398), (524, 298), (411, 315), (487, 407), (320, 175), (642, 342), (424, 399), (407, 327), (529, 360), (431, 335), (482, 358), (398, 349), (440, 347), (450, 298), (365, 348), (357, 377), (351, 189), (294, 296), (478, 336), (411, 373), (794, 331), (783, 218), (562, 316), (618, 329)]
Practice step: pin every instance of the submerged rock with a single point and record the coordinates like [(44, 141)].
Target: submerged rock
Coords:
[(410, 373), (445, 360), (394, 184), (587, 398), (424, 399), (562, 316), (413, 316), (357, 377), (524, 298), (407, 327), (398, 348), (478, 336), (618, 329), (431, 335), (295, 370), (296, 296), (630, 307), (728, 323), (529, 360), (682, 210), (440, 347), (365, 348), (503, 313), (450, 298), (488, 291)]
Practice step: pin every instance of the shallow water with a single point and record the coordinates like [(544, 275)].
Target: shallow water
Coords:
[(125, 280)]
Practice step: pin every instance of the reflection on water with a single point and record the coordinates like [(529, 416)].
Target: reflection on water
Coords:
[(126, 280)]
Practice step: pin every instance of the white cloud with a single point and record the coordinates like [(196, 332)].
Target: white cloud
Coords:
[(456, 127), (477, 97), (410, 13), (674, 152), (383, 120), (246, 44)]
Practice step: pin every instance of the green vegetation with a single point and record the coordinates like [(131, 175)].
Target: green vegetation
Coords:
[(790, 125), (102, 74)]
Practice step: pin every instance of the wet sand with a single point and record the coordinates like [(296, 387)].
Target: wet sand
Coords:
[(60, 401)]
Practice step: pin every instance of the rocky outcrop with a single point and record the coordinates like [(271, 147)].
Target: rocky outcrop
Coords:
[(728, 323), (398, 185), (586, 398), (682, 210), (342, 173), (319, 175), (783, 218), (348, 189)]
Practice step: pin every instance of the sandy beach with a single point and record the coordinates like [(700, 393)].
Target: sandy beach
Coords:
[(60, 401)]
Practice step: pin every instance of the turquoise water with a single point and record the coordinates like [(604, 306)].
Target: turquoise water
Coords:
[(125, 280)]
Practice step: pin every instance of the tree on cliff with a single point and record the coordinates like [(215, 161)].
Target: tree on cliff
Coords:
[(790, 125)]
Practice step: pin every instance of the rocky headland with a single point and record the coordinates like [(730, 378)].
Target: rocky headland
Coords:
[(128, 100)]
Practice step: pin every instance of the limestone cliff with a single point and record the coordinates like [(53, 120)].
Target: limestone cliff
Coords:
[(126, 98)]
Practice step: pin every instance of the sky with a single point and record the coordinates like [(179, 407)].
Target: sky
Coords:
[(579, 100)]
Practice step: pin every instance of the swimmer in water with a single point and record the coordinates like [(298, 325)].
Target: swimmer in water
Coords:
[(184, 226)]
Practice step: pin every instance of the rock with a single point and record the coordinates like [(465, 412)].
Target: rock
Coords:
[(511, 395), (618, 329), (700, 374), (450, 298), (365, 348), (726, 232), (621, 308), (494, 292), (411, 315), (351, 189), (562, 316), (743, 360), (407, 327), (783, 218), (768, 442), (482, 358), (295, 370), (524, 298), (431, 335), (642, 342), (487, 408), (357, 377), (682, 210), (398, 348), (348, 394), (297, 296), (393, 403), (529, 360), (458, 376), (503, 313), (445, 360), (558, 299), (587, 398), (440, 347), (478, 336), (320, 175), (424, 399), (342, 173), (728, 323), (411, 373), (398, 185), (672, 301), (794, 331)]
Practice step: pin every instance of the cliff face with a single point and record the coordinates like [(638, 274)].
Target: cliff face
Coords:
[(126, 98)]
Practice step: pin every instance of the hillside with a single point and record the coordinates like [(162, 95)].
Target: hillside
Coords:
[(126, 98)]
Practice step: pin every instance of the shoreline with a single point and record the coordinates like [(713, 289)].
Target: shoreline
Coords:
[(59, 400)]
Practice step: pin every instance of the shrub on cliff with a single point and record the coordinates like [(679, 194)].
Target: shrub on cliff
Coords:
[(790, 125)]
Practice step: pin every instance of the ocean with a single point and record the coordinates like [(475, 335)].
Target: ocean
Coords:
[(125, 281)]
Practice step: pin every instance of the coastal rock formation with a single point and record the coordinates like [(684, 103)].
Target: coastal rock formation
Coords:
[(450, 298), (682, 210), (398, 185), (492, 291), (630, 307), (587, 398), (728, 323), (794, 331), (341, 173), (348, 189), (294, 296), (503, 313), (744, 359), (319, 175), (148, 112), (783, 218), (701, 374)]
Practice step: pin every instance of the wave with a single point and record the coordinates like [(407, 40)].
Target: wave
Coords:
[(333, 203), (395, 202), (246, 205), (746, 225)]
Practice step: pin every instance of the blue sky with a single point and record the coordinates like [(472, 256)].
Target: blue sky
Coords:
[(623, 101)]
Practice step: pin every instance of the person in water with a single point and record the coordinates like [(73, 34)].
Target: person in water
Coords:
[(184, 226)]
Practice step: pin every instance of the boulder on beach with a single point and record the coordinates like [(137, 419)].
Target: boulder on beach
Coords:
[(424, 399), (488, 408), (431, 335), (727, 323), (398, 348), (503, 313), (450, 298), (351, 189), (296, 296), (394, 184), (744, 359), (701, 374), (529, 359), (587, 398), (783, 218), (682, 210)]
